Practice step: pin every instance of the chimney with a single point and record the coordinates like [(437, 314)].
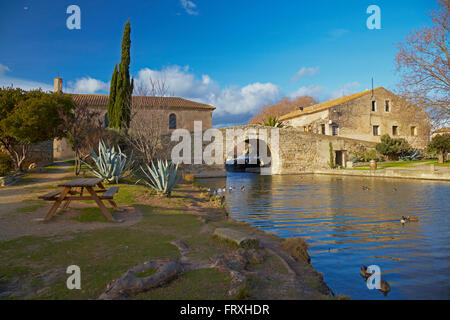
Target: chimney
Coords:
[(57, 85)]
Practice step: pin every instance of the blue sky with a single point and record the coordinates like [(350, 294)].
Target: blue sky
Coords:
[(234, 54)]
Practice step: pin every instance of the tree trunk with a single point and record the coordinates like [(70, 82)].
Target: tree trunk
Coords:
[(441, 156)]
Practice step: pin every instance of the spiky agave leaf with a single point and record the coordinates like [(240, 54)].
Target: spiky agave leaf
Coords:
[(162, 176), (111, 165)]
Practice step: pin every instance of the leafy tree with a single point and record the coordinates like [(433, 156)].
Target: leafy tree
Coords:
[(112, 98), (441, 144), (121, 110), (30, 117), (392, 147)]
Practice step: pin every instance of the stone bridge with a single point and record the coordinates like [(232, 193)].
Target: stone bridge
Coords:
[(290, 150)]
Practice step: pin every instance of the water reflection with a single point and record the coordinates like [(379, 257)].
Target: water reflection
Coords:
[(347, 227)]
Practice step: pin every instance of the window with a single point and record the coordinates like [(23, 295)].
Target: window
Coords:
[(322, 128), (172, 121), (106, 120), (414, 131), (376, 130), (387, 106), (335, 130), (395, 130), (374, 106)]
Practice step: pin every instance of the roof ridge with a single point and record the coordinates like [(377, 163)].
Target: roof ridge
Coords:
[(332, 103)]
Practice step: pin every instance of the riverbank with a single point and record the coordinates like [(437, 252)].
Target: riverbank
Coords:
[(34, 255), (431, 173)]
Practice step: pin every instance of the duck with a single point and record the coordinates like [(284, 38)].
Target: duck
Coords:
[(394, 189), (230, 188), (384, 287), (242, 188), (365, 188), (412, 219), (403, 220), (364, 272)]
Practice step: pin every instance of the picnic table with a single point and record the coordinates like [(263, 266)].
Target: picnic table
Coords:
[(73, 191)]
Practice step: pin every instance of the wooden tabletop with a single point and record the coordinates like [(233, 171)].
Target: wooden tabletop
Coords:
[(83, 182)]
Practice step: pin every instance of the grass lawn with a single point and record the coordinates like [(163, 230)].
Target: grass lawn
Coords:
[(405, 164)]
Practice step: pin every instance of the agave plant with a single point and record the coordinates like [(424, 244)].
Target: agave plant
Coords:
[(273, 122), (112, 164), (162, 177)]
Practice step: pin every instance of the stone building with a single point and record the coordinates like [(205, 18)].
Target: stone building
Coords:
[(365, 116), (167, 113)]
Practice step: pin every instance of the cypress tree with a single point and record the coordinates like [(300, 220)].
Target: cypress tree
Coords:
[(124, 87), (113, 123)]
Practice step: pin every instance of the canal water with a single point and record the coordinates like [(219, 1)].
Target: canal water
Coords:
[(347, 226)]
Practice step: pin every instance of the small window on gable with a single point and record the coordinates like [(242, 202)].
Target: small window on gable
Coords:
[(414, 131), (172, 121), (387, 106), (376, 130), (374, 106)]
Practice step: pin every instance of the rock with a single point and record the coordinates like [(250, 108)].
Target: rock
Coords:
[(241, 239)]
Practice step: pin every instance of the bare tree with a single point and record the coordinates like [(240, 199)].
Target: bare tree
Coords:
[(423, 63), (281, 107), (84, 130), (148, 123)]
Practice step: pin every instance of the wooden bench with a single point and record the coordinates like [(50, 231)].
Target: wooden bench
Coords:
[(109, 194), (73, 191), (50, 196)]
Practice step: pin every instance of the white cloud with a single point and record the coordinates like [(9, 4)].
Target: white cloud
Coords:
[(231, 100), (3, 69), (345, 90), (24, 84), (312, 90), (303, 72), (88, 85), (189, 7)]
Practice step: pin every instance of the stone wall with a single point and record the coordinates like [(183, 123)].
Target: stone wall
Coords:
[(41, 154)]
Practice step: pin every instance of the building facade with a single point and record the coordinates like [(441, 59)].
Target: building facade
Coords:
[(365, 116), (164, 114)]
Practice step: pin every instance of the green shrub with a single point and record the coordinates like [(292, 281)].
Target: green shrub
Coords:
[(6, 164), (393, 147)]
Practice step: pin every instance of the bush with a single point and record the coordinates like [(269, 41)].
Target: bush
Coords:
[(393, 147), (441, 145), (366, 156), (6, 164)]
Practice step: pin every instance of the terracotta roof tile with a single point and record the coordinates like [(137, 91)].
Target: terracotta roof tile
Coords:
[(445, 129), (324, 105), (101, 100)]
